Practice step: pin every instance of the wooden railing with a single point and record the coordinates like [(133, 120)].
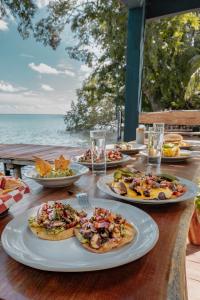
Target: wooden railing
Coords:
[(174, 117)]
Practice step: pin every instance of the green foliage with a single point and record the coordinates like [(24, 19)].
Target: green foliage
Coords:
[(171, 56), (171, 59), (22, 11)]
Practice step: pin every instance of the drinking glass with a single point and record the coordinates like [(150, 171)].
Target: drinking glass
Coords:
[(98, 151), (159, 127), (155, 142)]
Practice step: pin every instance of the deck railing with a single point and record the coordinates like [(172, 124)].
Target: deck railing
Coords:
[(175, 120)]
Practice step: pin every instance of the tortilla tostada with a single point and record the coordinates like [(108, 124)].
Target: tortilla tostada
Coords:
[(55, 221), (104, 231)]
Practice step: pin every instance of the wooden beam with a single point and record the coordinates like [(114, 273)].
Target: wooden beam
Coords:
[(160, 8), (136, 22), (181, 117), (133, 3)]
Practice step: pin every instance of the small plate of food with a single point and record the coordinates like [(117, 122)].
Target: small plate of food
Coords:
[(134, 186), (171, 153), (127, 147), (113, 158), (61, 237), (60, 174), (177, 139)]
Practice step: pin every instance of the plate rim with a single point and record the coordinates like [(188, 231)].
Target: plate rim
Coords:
[(109, 163), (175, 158), (146, 201), (126, 260), (139, 148)]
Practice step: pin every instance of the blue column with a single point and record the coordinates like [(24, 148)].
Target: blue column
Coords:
[(135, 44)]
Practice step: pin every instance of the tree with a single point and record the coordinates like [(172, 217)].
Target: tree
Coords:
[(171, 56), (22, 11)]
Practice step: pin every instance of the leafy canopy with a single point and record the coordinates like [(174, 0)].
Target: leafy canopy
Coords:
[(171, 55)]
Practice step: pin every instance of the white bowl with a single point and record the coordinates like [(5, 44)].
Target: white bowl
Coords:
[(78, 169)]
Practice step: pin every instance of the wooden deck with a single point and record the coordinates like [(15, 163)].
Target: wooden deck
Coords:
[(193, 271)]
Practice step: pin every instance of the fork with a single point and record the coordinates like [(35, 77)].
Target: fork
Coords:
[(83, 201)]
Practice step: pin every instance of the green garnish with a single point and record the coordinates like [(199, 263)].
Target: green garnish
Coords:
[(197, 202), (167, 146), (168, 177)]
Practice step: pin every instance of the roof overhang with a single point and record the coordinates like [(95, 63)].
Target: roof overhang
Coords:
[(160, 8), (133, 3)]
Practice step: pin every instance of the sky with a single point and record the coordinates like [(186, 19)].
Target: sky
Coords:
[(33, 78)]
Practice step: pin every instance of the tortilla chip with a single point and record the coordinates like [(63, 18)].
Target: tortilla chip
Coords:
[(43, 167), (61, 163), (11, 184)]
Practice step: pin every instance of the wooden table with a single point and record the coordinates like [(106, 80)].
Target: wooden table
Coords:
[(15, 156), (158, 275)]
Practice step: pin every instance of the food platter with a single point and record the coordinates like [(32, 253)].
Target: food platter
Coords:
[(104, 182), (134, 148), (78, 169), (67, 255), (184, 156), (109, 164)]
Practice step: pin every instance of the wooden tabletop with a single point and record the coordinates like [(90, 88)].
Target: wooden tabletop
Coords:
[(158, 275), (24, 153)]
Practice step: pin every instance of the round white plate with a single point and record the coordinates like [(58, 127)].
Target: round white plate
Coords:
[(185, 155), (109, 164), (68, 255), (135, 148), (78, 169), (191, 192)]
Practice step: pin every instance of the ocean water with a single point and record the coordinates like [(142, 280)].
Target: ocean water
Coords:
[(43, 130)]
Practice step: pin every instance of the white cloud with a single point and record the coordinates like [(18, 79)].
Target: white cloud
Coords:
[(43, 103), (26, 55), (45, 69), (85, 69), (9, 88), (47, 88), (30, 94), (3, 25), (42, 3), (69, 73)]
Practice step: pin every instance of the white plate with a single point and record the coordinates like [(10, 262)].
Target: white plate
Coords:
[(59, 181), (185, 155), (135, 148), (68, 255), (191, 192), (109, 164)]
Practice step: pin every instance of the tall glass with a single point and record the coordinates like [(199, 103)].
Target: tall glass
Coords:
[(159, 127), (155, 142), (98, 151)]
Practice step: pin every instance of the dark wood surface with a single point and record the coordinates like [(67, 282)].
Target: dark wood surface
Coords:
[(158, 275), (26, 152)]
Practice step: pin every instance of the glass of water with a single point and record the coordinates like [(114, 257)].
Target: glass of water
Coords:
[(98, 151), (155, 142), (159, 127)]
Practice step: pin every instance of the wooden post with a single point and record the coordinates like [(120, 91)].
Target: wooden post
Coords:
[(135, 44)]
